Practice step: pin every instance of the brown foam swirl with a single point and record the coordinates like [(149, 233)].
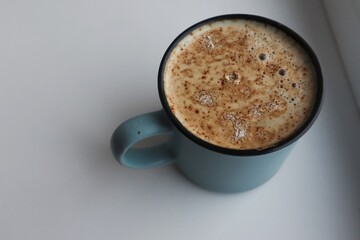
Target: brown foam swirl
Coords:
[(240, 84)]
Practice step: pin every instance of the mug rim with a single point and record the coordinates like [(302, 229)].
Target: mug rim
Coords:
[(245, 152)]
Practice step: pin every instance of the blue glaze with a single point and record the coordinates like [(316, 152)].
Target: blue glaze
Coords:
[(137, 129), (209, 169)]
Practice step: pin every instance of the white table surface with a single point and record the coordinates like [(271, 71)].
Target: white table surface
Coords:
[(71, 71)]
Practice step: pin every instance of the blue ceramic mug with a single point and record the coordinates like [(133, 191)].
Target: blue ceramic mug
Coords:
[(207, 165)]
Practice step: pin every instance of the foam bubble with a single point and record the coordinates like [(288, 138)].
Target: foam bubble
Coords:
[(272, 105), (277, 103), (262, 56), (240, 131), (205, 98), (282, 72), (229, 117), (256, 112), (209, 42), (232, 77), (239, 126)]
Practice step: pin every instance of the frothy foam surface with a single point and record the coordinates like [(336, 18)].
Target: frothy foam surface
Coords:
[(240, 84)]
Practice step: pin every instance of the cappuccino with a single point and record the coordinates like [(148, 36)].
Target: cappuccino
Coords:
[(240, 84)]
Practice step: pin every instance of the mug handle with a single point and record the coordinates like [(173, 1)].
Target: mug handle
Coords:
[(137, 129)]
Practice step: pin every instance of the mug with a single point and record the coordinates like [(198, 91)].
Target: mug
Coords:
[(209, 166)]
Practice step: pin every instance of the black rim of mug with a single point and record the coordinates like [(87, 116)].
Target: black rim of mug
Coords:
[(248, 152)]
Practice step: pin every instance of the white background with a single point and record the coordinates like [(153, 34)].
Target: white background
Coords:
[(71, 71), (344, 17)]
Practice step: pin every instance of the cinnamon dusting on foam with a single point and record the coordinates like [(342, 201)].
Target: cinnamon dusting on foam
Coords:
[(240, 84)]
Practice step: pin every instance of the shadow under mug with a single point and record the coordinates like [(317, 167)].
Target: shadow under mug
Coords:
[(207, 165)]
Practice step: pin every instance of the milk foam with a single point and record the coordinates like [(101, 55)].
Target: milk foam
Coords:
[(240, 84)]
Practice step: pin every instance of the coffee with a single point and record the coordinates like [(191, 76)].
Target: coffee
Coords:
[(240, 84)]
